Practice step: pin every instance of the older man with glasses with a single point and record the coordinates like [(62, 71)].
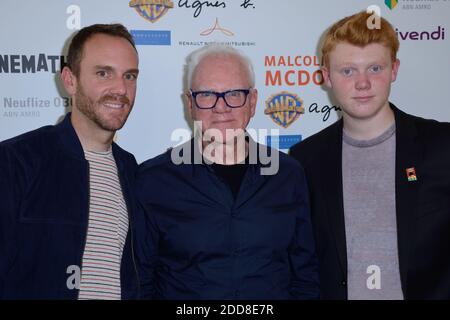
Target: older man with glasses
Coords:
[(215, 226)]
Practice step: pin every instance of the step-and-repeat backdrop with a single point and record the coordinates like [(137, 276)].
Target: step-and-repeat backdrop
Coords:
[(281, 37)]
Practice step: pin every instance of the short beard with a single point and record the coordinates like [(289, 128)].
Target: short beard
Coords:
[(87, 107)]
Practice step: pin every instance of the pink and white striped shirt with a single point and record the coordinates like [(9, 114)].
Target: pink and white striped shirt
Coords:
[(107, 230)]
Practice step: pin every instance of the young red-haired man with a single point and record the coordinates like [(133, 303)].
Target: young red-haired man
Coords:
[(379, 180)]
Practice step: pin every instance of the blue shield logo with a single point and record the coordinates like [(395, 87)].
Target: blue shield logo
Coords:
[(284, 108), (151, 10)]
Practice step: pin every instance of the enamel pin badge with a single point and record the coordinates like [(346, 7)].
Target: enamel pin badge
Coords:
[(411, 174)]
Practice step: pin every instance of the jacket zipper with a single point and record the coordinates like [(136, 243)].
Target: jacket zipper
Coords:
[(130, 225), (134, 261)]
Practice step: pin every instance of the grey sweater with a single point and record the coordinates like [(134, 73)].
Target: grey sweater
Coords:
[(368, 173)]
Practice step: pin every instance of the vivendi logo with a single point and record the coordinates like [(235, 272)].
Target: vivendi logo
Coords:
[(434, 34)]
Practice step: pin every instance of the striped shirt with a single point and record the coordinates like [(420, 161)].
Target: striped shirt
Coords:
[(107, 230)]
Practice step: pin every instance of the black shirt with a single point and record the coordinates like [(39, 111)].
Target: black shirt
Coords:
[(232, 175)]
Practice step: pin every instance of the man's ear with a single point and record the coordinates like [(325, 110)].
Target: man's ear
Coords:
[(189, 105), (326, 77), (69, 81), (395, 67), (253, 101)]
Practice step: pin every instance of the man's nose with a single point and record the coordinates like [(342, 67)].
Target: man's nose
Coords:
[(119, 86), (221, 106), (362, 82)]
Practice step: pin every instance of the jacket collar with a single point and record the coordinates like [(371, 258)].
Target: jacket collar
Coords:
[(196, 155), (204, 172), (72, 145), (409, 154), (332, 189), (69, 138)]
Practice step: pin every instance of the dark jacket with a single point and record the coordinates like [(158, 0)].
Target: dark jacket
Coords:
[(201, 243), (423, 206), (44, 208)]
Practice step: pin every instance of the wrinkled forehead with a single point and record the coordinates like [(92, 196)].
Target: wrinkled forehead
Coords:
[(228, 70)]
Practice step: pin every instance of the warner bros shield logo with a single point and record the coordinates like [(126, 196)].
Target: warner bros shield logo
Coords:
[(284, 108), (151, 10)]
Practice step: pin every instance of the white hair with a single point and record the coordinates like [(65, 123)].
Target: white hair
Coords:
[(216, 49)]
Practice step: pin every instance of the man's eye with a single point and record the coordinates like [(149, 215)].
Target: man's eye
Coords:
[(205, 94), (102, 74), (130, 76), (347, 72), (375, 69), (235, 94)]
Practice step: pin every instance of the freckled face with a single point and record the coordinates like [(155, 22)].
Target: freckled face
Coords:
[(361, 78)]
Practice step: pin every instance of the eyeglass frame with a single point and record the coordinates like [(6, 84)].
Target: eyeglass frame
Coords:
[(218, 96)]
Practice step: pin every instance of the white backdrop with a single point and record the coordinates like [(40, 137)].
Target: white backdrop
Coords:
[(281, 37)]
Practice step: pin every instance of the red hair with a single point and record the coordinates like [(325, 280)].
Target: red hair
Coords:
[(354, 30)]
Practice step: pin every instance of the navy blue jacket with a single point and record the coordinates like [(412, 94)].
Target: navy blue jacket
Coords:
[(423, 206), (44, 208), (198, 242)]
